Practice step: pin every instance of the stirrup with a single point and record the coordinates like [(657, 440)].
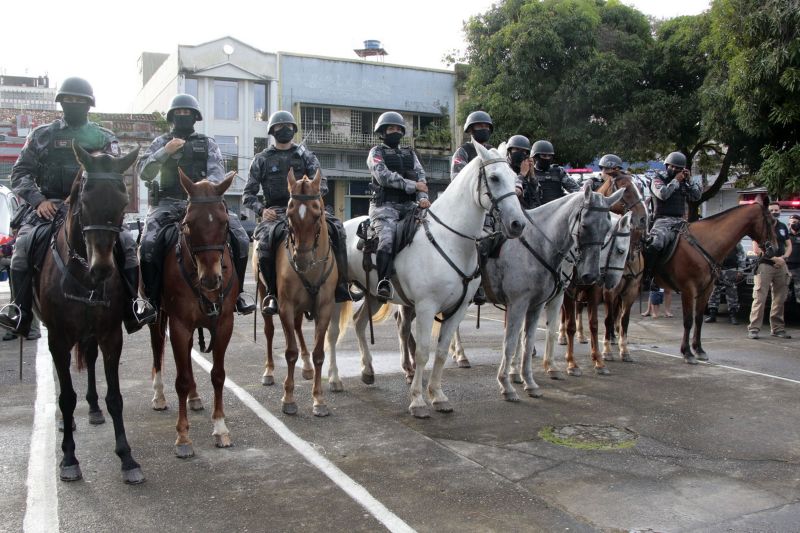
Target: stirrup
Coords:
[(268, 310), (143, 312), (356, 295), (382, 283), (6, 317), (248, 305)]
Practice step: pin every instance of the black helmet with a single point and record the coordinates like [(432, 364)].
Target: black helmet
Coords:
[(676, 159), (390, 118), (477, 117), (280, 117), (610, 161), (184, 101), (75, 87), (519, 141), (543, 148)]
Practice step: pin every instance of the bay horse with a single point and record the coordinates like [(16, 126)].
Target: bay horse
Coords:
[(307, 277), (695, 265), (199, 291), (80, 296), (438, 271)]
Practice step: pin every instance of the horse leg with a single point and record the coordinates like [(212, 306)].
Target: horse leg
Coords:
[(70, 469), (404, 316), (515, 317), (624, 320), (562, 326), (458, 350), (418, 407), (515, 369), (318, 357), (288, 320), (449, 327), (112, 347), (181, 340), (331, 337), (551, 313), (609, 323), (222, 436), (95, 413), (308, 370), (268, 377), (194, 401), (568, 311), (528, 349), (157, 338), (687, 302), (700, 303), (592, 311), (360, 320), (579, 322)]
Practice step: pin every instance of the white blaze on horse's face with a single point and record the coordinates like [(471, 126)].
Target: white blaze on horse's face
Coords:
[(497, 192), (301, 211)]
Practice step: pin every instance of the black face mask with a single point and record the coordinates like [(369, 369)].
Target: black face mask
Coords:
[(392, 140), (795, 226), (516, 160), (75, 114), (672, 172), (542, 164), (284, 135), (481, 135), (183, 124)]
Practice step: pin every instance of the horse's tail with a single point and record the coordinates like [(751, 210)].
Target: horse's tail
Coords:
[(81, 347), (382, 313), (345, 316)]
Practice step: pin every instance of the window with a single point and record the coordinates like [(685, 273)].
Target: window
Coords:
[(315, 118), (363, 122), (326, 160), (229, 146), (190, 86), (226, 100), (357, 198), (260, 101), (259, 144)]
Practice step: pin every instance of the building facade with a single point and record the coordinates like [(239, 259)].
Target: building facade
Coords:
[(29, 93)]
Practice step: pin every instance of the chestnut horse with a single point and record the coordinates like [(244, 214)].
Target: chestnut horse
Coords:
[(80, 296), (695, 265), (199, 291)]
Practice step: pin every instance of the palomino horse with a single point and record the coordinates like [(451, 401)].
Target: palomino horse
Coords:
[(307, 277), (438, 271), (530, 273), (695, 265), (199, 291), (80, 296)]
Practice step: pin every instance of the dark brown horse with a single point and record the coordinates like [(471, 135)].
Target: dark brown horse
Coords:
[(694, 267), (80, 296), (199, 291)]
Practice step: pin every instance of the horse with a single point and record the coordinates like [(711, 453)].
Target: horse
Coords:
[(438, 271), (307, 278), (695, 264), (199, 291), (617, 298), (80, 296)]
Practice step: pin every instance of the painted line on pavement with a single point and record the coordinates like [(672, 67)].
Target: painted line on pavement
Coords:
[(724, 366), (346, 483), (41, 509)]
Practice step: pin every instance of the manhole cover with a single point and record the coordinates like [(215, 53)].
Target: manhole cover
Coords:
[(589, 437)]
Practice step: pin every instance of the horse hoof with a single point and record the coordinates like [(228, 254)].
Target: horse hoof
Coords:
[(289, 408), (463, 363), (562, 341), (601, 371), (510, 396), (96, 417), (535, 392), (369, 379), (61, 425), (320, 410), (702, 356), (196, 404), (268, 380), (409, 379), (626, 358), (308, 374), (223, 441), (575, 371), (690, 360), (159, 405), (608, 357), (70, 473), (420, 411), (555, 374), (336, 386), (184, 451), (134, 476), (583, 341), (443, 407)]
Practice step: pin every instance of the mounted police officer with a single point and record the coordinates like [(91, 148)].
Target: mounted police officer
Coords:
[(268, 172), (732, 267), (518, 151), (610, 166), (398, 184), (671, 190), (480, 127), (43, 177), (200, 158), (553, 180)]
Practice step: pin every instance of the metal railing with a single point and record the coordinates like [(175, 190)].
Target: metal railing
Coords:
[(353, 139)]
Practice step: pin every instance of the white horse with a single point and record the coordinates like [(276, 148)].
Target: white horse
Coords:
[(438, 271)]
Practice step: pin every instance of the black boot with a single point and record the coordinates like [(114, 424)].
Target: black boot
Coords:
[(243, 307), (269, 306), (384, 265), (140, 311), (480, 296), (712, 316), (17, 319), (732, 316)]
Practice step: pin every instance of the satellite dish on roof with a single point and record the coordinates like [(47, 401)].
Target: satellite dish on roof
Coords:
[(227, 49)]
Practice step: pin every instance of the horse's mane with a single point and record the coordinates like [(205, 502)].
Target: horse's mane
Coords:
[(721, 214)]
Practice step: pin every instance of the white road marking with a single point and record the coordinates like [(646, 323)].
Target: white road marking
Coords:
[(346, 483), (41, 510)]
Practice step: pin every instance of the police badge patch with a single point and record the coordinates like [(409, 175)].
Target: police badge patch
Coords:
[(115, 149)]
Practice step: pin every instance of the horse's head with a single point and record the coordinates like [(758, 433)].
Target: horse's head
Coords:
[(97, 206), (591, 224), (632, 200), (205, 227), (305, 213), (497, 182), (614, 252), (763, 231)]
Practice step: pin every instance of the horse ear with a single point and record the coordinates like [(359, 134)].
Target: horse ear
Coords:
[(625, 222), (83, 157), (186, 183), (221, 187), (614, 198), (126, 161), (481, 149), (502, 149), (290, 179), (317, 181), (587, 191)]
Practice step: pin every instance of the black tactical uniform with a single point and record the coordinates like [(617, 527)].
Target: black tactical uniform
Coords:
[(669, 201), (553, 180)]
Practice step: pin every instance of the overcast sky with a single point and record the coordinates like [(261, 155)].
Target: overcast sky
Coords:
[(102, 41)]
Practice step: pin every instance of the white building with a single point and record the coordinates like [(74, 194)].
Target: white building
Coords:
[(27, 93)]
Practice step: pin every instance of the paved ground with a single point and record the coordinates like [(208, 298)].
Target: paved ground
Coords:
[(717, 447)]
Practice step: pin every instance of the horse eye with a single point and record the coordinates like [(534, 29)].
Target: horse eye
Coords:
[(494, 178)]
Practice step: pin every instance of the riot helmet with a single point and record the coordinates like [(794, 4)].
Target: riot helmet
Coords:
[(543, 154), (281, 117), (184, 101), (676, 159), (390, 118), (75, 86), (610, 161), (522, 149), (478, 117)]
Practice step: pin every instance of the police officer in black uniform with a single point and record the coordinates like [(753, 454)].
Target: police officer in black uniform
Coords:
[(518, 151), (200, 158), (268, 172), (553, 180), (480, 127), (43, 176)]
